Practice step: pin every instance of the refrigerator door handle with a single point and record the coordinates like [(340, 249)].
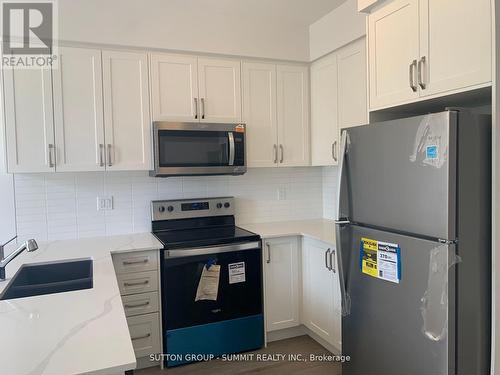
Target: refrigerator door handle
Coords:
[(344, 141), (345, 299)]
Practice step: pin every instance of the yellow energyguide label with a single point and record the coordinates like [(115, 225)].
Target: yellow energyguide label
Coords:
[(369, 260)]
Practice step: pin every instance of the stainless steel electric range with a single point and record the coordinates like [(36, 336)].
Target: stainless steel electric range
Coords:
[(211, 273)]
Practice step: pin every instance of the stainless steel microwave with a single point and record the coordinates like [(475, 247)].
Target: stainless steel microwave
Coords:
[(192, 148)]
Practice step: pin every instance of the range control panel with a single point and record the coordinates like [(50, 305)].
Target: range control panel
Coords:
[(190, 208)]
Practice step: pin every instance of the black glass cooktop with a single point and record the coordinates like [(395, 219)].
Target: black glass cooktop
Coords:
[(195, 237)]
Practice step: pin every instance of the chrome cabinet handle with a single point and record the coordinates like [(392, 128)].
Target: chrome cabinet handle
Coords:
[(275, 148), (195, 108), (101, 156), (421, 67), (130, 262), (136, 305), (135, 284), (413, 65), (110, 163), (334, 151), (327, 253), (202, 108), (141, 337), (268, 253), (51, 160), (332, 261), (282, 154)]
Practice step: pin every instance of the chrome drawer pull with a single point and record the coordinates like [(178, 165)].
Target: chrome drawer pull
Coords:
[(141, 337), (135, 284), (130, 262), (136, 305)]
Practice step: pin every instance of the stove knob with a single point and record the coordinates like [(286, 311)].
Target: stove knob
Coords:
[(219, 205), (170, 208), (161, 208), (227, 205)]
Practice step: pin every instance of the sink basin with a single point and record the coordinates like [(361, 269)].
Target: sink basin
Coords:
[(49, 278)]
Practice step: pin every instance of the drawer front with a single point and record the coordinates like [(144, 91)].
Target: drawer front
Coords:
[(138, 282), (137, 261), (145, 334), (143, 303)]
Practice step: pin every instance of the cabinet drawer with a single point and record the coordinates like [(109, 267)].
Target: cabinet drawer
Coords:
[(143, 303), (138, 282), (136, 261), (145, 334)]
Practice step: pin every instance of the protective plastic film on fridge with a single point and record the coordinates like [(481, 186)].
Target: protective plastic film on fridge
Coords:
[(413, 237)]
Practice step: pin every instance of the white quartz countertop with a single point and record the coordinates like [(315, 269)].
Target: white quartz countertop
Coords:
[(78, 332), (320, 229)]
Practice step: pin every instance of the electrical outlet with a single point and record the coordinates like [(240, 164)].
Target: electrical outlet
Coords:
[(282, 193), (104, 203)]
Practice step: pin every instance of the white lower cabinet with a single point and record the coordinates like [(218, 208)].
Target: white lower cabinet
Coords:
[(137, 275), (302, 287), (321, 311), (281, 282)]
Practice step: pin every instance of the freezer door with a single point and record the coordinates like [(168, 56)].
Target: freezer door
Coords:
[(399, 328), (401, 175)]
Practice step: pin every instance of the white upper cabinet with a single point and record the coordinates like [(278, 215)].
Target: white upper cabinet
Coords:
[(352, 84), (219, 90), (428, 48), (338, 99), (293, 115), (29, 120), (259, 113), (174, 87), (393, 52), (324, 111), (126, 110), (321, 305), (455, 42), (281, 283), (79, 127)]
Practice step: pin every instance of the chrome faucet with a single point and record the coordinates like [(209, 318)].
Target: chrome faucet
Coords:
[(29, 245)]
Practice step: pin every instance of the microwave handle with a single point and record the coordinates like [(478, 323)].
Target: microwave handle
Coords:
[(231, 147)]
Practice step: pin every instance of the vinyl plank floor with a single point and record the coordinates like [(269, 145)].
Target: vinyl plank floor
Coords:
[(302, 344)]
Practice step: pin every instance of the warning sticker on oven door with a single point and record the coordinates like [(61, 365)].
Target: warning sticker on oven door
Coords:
[(236, 272), (381, 260)]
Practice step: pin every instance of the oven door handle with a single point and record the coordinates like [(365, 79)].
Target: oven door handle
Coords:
[(195, 251), (231, 147)]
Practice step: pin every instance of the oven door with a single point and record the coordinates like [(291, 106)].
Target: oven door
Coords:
[(239, 292), (198, 149)]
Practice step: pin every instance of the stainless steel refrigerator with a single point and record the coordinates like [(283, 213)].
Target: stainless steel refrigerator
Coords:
[(413, 236)]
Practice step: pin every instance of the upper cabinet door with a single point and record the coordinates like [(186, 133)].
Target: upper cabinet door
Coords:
[(79, 122), (455, 40), (174, 87), (393, 53), (324, 111), (351, 69), (293, 115), (126, 110), (220, 90), (259, 113), (29, 120)]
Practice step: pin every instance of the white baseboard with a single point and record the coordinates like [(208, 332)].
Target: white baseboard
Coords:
[(300, 330)]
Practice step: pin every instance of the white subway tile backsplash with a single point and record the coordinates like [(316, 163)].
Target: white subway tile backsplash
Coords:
[(64, 205), (330, 183)]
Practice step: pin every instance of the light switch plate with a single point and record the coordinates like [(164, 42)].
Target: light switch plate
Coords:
[(104, 203)]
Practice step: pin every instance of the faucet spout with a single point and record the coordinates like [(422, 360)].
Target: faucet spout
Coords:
[(29, 245)]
